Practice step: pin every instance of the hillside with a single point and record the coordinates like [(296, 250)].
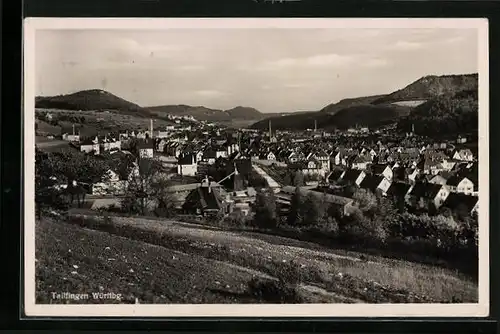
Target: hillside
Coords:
[(246, 113), (86, 100), (364, 115), (448, 114), (207, 114), (324, 118), (376, 110), (347, 103), (432, 86)]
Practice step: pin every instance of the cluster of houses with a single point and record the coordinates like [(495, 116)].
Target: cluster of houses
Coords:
[(421, 173)]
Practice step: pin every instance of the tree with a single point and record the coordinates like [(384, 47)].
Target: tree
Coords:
[(296, 207), (78, 169), (313, 211), (287, 179), (46, 194), (298, 179), (366, 201), (147, 189), (265, 209)]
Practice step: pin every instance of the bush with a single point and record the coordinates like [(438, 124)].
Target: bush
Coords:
[(274, 291), (236, 219)]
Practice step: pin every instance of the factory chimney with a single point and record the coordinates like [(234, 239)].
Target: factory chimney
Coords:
[(151, 126), (270, 135)]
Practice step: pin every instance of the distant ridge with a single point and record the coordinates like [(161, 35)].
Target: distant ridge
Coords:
[(202, 113), (93, 99), (431, 86), (374, 111)]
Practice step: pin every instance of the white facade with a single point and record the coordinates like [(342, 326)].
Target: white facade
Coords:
[(465, 186), (187, 170), (73, 138), (146, 153)]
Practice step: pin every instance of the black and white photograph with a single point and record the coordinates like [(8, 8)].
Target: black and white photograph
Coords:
[(256, 167)]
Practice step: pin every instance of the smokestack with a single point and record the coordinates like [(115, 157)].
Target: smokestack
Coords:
[(315, 126), (73, 129), (151, 134), (270, 130)]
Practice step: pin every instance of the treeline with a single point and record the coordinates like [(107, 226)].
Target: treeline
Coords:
[(55, 119)]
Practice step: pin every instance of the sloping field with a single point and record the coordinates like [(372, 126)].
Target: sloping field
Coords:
[(351, 277), (71, 259)]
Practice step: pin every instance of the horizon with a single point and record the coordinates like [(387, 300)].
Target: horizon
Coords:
[(179, 67), (247, 106)]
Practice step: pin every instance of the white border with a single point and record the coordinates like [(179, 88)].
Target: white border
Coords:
[(480, 309)]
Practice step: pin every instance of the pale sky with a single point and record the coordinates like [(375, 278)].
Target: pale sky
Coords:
[(272, 70)]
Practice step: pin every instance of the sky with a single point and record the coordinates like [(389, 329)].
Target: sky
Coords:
[(272, 70)]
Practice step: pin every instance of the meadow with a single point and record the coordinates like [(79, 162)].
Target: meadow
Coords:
[(148, 246)]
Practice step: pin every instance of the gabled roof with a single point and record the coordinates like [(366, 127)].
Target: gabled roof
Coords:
[(371, 182), (455, 180), (425, 190), (351, 175), (210, 153), (455, 200), (187, 159), (146, 143), (378, 169), (335, 175), (399, 189)]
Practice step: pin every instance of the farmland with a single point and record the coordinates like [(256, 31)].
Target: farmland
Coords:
[(91, 123), (180, 262)]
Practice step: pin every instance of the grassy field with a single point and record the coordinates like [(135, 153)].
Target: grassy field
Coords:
[(82, 261), (330, 276)]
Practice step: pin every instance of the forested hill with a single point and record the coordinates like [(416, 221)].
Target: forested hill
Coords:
[(431, 86), (448, 114), (427, 94)]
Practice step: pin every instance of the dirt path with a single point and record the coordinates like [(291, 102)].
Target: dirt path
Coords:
[(338, 276)]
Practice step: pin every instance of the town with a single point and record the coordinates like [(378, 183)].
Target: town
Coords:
[(425, 175)]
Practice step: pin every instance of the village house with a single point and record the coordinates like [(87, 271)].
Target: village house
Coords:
[(207, 199), (221, 152), (90, 145), (398, 190), (71, 137), (110, 144), (376, 184), (460, 184), (352, 177), (187, 165), (381, 169), (425, 195), (209, 156), (322, 158), (361, 162), (308, 167), (462, 203), (267, 156), (463, 155), (438, 179), (146, 148), (334, 176)]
